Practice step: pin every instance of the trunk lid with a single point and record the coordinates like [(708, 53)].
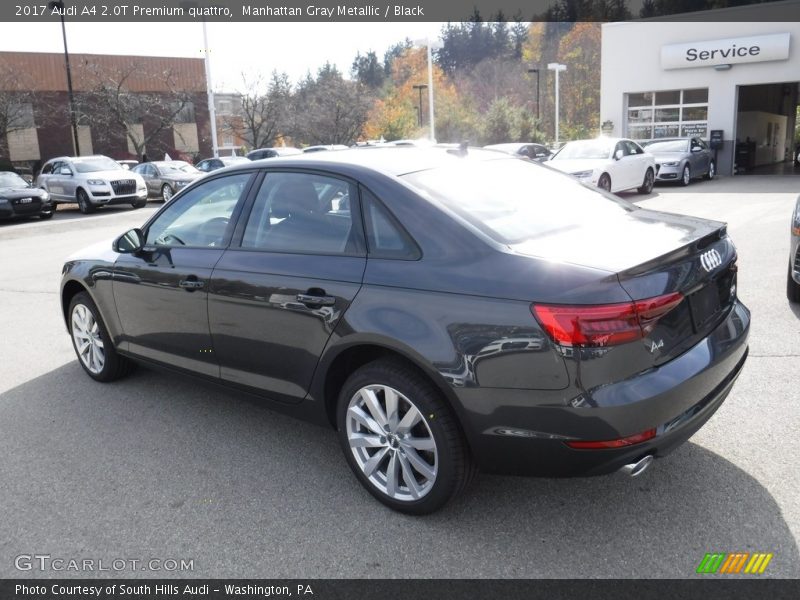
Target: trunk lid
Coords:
[(655, 254)]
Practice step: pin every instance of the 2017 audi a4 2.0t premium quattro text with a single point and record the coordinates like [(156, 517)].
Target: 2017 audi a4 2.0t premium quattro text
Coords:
[(445, 310)]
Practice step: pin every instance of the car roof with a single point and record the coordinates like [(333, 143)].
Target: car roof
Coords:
[(392, 160)]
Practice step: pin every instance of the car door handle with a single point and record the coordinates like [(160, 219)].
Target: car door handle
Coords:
[(191, 285), (313, 300)]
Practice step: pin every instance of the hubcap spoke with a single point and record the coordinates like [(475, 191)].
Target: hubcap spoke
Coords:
[(409, 479), (390, 397), (374, 406), (411, 418), (419, 443), (392, 473), (419, 464), (365, 440), (372, 463), (367, 421)]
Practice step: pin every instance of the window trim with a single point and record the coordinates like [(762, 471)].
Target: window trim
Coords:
[(235, 215), (357, 225), (413, 251)]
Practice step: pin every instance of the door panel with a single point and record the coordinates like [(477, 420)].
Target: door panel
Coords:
[(275, 300), (161, 320), (264, 337), (161, 292)]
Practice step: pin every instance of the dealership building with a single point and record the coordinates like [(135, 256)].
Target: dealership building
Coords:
[(739, 79)]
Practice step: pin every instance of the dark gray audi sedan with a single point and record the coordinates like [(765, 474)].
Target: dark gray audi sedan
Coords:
[(445, 310)]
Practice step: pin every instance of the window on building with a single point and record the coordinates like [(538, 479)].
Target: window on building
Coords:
[(185, 112), (668, 113), (20, 116)]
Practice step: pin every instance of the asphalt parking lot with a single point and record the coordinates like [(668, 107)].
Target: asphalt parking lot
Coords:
[(159, 467)]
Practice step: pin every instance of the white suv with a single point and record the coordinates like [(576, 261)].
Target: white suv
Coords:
[(91, 181)]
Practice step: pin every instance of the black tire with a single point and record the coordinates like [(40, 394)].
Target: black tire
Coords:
[(647, 184), (686, 176), (85, 206), (114, 366), (454, 465), (712, 171), (139, 204), (167, 192), (792, 287), (604, 183), (47, 215)]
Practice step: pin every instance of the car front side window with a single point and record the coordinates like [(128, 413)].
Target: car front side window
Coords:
[(202, 217)]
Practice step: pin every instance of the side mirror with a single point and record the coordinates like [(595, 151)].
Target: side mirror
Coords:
[(65, 171), (129, 242), (619, 154), (696, 149)]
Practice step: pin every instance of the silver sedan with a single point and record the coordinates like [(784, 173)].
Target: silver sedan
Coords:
[(681, 159)]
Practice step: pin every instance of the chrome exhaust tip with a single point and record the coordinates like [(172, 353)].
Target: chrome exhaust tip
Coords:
[(637, 468)]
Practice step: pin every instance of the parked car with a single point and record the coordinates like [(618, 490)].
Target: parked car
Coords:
[(793, 279), (212, 164), (165, 178), (18, 198), (325, 148), (91, 181), (537, 152), (273, 152), (612, 164), (128, 164), (441, 322), (681, 159)]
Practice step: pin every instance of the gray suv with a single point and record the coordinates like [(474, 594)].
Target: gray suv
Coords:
[(91, 181)]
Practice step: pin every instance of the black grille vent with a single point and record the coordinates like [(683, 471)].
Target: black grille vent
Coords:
[(123, 187)]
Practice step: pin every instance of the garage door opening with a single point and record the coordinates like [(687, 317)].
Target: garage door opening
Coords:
[(768, 129)]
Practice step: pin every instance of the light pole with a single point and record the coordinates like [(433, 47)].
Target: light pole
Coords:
[(212, 113), (59, 4), (431, 45), (420, 88), (557, 68), (537, 90)]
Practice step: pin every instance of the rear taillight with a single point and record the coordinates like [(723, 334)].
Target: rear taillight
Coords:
[(606, 324), (617, 443)]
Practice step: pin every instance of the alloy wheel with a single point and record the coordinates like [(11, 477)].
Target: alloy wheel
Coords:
[(391, 442), (86, 335), (166, 192), (687, 175)]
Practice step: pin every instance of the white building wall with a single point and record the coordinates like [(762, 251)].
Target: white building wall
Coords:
[(631, 62)]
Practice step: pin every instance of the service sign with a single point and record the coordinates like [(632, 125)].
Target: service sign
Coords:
[(759, 48)]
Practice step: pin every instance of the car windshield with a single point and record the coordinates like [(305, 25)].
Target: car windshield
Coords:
[(667, 146), (512, 201), (12, 180), (585, 149), (187, 168), (89, 165)]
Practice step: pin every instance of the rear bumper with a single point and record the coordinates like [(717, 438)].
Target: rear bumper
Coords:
[(517, 432)]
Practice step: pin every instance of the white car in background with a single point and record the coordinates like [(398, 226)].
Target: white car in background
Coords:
[(612, 164)]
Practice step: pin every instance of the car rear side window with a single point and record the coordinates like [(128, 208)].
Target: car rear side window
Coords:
[(304, 213), (385, 237), (512, 201)]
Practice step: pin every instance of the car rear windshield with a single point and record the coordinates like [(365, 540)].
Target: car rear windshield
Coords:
[(513, 200), (668, 146), (90, 165)]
